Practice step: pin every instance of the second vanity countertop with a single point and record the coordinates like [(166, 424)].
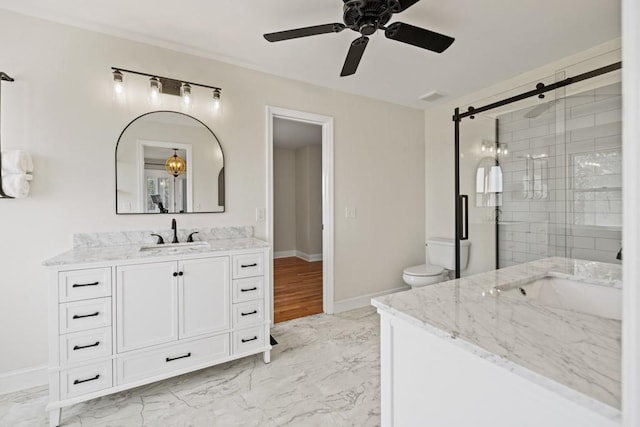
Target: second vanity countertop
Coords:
[(575, 354), (84, 255)]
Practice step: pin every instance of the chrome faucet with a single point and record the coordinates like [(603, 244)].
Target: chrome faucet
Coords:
[(174, 227)]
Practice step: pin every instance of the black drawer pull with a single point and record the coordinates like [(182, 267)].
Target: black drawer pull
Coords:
[(175, 274), (250, 339), (249, 313), (82, 316), (80, 347), (249, 290), (87, 380), (248, 265), (80, 285), (171, 359)]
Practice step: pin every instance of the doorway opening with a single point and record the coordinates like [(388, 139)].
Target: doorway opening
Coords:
[(300, 213)]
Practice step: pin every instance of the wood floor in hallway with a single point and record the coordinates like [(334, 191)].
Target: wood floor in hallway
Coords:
[(297, 288)]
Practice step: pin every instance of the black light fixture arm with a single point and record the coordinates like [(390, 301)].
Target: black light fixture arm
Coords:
[(3, 77), (139, 73)]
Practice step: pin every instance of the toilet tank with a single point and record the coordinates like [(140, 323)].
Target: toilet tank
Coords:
[(442, 252)]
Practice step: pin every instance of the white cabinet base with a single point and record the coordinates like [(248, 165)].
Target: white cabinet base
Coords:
[(116, 325), (427, 380)]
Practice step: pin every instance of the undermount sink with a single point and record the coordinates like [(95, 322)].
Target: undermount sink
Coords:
[(174, 247), (576, 295)]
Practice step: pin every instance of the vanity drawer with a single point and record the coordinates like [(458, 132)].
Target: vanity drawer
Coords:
[(84, 284), (173, 358), (248, 265), (87, 379), (86, 345), (83, 315), (248, 339), (248, 289), (248, 313)]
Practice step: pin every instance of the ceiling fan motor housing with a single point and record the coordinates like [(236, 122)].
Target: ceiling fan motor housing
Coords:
[(366, 17)]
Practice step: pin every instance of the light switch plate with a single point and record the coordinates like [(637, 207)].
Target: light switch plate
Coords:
[(259, 214), (350, 212)]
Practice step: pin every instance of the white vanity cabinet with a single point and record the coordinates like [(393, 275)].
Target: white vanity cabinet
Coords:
[(121, 324)]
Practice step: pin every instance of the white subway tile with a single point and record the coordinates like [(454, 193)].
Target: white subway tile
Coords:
[(531, 132), (613, 116), (607, 142), (608, 244), (580, 123)]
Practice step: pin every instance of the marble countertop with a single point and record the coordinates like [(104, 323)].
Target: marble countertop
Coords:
[(572, 353), (84, 255)]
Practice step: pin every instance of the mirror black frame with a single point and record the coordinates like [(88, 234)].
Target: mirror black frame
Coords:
[(221, 183)]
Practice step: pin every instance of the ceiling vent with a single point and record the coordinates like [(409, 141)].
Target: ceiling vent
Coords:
[(432, 96)]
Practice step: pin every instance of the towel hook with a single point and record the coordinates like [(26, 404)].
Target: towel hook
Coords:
[(3, 78)]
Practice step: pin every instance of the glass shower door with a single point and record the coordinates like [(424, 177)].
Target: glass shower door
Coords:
[(507, 181), (538, 175)]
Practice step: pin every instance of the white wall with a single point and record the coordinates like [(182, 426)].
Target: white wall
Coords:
[(439, 136), (297, 198), (309, 199), (284, 200), (61, 109)]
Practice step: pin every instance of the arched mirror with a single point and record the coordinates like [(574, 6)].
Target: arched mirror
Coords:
[(169, 162)]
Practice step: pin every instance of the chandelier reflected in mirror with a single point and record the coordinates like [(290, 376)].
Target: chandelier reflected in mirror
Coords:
[(175, 165)]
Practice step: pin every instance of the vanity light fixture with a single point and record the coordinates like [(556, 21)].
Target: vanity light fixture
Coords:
[(166, 86), (118, 82), (175, 165), (185, 92), (499, 148)]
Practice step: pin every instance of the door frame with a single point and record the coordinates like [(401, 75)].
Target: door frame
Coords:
[(140, 144), (326, 122)]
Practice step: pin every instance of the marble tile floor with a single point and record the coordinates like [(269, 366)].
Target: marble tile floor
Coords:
[(325, 371)]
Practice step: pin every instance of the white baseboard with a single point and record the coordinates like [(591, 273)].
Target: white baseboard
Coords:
[(284, 254), (298, 254), (363, 301), (22, 379), (309, 257)]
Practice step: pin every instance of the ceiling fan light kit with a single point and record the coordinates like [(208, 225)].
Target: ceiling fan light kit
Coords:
[(367, 17)]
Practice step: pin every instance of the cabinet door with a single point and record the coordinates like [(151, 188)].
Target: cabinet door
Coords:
[(204, 296), (147, 302)]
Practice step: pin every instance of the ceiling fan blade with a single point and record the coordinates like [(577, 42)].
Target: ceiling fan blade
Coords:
[(401, 5), (304, 32), (354, 56), (419, 37)]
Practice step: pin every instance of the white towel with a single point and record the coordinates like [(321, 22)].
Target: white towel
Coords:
[(16, 161), (16, 185)]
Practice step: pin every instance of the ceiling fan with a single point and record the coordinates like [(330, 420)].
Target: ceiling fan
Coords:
[(366, 17)]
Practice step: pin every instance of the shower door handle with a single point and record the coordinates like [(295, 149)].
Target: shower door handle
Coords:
[(464, 217)]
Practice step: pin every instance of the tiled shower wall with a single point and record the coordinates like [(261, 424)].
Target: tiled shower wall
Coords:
[(562, 182)]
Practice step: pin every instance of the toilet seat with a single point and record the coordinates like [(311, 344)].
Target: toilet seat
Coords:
[(424, 270)]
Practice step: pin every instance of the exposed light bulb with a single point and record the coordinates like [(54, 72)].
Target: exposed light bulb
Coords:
[(185, 92), (217, 101), (118, 82), (505, 149), (155, 87), (483, 147)]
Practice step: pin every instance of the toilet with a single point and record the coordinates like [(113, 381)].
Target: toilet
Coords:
[(442, 255)]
